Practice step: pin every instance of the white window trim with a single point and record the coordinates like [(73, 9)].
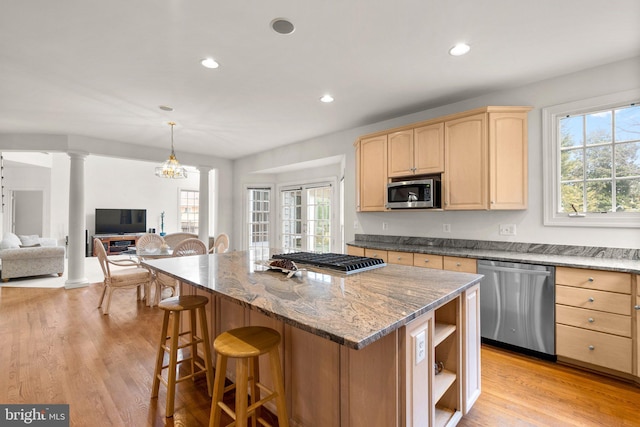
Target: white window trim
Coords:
[(245, 213), (551, 164)]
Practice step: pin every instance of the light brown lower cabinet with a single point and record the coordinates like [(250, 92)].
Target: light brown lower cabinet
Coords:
[(401, 258), (355, 250), (376, 253), (594, 315)]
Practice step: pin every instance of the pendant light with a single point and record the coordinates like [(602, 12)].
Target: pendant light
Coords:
[(171, 168)]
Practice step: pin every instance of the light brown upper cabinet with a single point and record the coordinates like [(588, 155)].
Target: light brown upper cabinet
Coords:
[(416, 151), (371, 173), (486, 160), (481, 154)]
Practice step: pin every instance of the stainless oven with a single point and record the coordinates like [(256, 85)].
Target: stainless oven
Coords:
[(422, 193)]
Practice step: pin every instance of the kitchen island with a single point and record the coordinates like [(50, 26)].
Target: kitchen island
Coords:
[(393, 346)]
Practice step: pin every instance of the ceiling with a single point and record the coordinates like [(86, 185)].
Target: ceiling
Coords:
[(103, 68)]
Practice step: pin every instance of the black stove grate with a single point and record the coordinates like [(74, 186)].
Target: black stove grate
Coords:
[(346, 263)]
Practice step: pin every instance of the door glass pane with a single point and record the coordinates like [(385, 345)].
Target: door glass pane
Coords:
[(306, 219), (291, 219), (319, 219)]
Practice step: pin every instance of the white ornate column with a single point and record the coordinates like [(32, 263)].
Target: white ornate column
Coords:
[(203, 209), (77, 222)]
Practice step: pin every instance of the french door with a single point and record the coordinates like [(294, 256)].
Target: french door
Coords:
[(305, 213)]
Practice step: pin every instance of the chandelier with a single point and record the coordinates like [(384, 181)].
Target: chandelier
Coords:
[(171, 168)]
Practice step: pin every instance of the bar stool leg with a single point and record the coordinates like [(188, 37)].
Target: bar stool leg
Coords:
[(254, 371), (173, 358), (281, 401), (218, 390), (160, 357), (192, 335), (242, 374), (207, 348)]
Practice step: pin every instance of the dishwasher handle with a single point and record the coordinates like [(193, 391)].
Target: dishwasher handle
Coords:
[(513, 270)]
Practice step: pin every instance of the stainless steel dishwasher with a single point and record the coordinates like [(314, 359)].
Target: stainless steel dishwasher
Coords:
[(517, 306)]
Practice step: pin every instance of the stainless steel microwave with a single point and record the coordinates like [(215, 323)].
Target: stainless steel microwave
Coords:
[(418, 194)]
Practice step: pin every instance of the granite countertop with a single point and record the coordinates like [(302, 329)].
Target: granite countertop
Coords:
[(352, 310), (613, 259)]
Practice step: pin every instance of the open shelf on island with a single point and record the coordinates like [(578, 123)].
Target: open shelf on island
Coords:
[(442, 331), (441, 383)]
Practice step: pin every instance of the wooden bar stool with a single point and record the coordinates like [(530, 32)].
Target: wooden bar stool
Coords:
[(246, 344), (175, 306)]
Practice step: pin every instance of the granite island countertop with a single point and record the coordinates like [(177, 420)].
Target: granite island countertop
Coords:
[(352, 310), (599, 258)]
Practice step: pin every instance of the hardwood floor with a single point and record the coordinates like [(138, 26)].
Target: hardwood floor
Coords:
[(58, 348)]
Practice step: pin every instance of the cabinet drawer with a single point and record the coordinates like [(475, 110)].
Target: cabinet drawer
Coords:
[(594, 279), (609, 351), (375, 253), (594, 300), (402, 258), (594, 320), (465, 265), (354, 250), (426, 260)]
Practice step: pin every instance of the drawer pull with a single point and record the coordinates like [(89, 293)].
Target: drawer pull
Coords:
[(426, 260), (399, 258), (591, 320), (590, 279), (458, 264), (591, 299), (591, 348)]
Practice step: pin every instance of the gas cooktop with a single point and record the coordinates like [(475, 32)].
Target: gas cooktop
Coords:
[(341, 262)]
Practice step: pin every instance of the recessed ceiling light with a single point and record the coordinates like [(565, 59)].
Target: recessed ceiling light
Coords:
[(459, 49), (209, 63), (165, 108), (282, 26), (326, 98)]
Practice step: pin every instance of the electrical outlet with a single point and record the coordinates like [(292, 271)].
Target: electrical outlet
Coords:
[(508, 229), (421, 347), (446, 228), (355, 224), (385, 225)]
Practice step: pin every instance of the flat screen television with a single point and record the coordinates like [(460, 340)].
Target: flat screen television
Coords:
[(121, 221)]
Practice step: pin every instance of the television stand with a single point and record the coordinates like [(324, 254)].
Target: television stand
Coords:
[(116, 243)]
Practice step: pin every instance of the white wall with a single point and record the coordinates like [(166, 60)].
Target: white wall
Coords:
[(480, 225)]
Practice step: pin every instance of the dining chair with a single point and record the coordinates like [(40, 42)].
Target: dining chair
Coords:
[(149, 242), (186, 247), (221, 244), (128, 274)]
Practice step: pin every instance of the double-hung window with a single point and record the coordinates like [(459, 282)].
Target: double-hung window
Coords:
[(591, 162), (189, 210), (258, 217)]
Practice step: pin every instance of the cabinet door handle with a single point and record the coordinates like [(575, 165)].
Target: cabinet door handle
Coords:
[(590, 279), (591, 299), (637, 307), (426, 260), (591, 348), (458, 264), (591, 320)]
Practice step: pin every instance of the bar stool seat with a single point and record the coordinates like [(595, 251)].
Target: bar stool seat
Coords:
[(247, 344), (173, 307)]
